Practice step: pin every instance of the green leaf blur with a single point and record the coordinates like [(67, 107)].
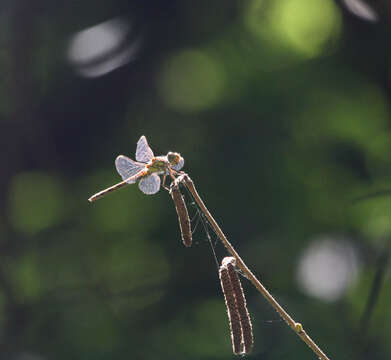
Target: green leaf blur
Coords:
[(281, 110)]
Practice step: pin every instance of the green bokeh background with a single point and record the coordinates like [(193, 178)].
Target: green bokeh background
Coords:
[(281, 109)]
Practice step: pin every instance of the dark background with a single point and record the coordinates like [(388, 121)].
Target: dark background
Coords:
[(281, 109)]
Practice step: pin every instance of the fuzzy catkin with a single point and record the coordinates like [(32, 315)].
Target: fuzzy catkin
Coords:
[(183, 215), (240, 322), (244, 316), (232, 311)]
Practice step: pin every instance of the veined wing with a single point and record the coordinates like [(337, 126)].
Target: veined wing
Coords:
[(143, 152), (180, 164), (127, 168), (149, 184)]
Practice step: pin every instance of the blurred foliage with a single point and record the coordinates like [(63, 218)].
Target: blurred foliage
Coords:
[(281, 109)]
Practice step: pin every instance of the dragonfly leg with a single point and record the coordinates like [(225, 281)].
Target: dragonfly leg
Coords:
[(164, 182), (171, 173)]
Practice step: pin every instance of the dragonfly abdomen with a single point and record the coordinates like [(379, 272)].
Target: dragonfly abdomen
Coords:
[(102, 193), (138, 176)]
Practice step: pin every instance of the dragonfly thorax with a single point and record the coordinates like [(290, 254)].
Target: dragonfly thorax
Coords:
[(158, 164)]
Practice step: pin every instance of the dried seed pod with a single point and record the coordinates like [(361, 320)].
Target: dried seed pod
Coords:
[(183, 215), (244, 316), (243, 340), (232, 311)]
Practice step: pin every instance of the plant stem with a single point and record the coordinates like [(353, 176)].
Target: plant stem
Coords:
[(296, 327)]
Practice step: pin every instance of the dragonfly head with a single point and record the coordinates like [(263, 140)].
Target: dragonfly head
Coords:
[(174, 158)]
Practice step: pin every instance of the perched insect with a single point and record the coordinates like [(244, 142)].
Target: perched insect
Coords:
[(145, 170)]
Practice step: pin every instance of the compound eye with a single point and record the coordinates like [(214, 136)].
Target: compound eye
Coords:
[(173, 158)]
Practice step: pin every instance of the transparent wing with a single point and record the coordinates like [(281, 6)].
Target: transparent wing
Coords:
[(143, 152), (127, 167), (150, 184), (180, 164)]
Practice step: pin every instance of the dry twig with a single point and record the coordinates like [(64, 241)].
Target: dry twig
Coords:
[(296, 327)]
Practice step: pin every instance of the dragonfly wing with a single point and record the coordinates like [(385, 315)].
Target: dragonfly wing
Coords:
[(143, 152), (127, 167), (180, 164), (150, 184)]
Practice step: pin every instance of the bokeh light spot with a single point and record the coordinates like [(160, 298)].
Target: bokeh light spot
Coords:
[(102, 48), (191, 81), (361, 9), (35, 202), (327, 268), (306, 26)]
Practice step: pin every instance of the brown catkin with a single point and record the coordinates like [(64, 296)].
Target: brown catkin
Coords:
[(183, 215), (245, 321), (232, 311)]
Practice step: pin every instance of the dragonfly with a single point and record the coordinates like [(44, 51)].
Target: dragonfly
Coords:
[(146, 170)]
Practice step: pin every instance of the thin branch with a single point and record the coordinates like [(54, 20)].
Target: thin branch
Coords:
[(296, 327)]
